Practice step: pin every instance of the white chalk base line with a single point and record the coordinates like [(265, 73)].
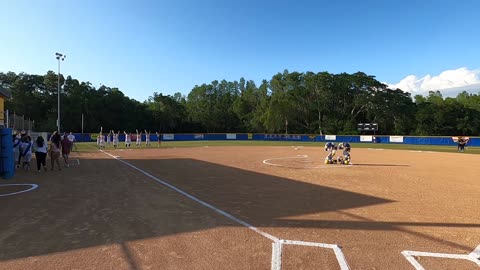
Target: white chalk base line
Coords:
[(277, 243), (221, 212), (277, 248), (474, 257)]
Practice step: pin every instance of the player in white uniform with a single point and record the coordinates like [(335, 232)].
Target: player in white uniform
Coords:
[(115, 139), (147, 138), (109, 138), (128, 139), (139, 139), (101, 140)]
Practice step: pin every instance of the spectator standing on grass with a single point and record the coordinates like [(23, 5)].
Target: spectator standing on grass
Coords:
[(66, 147), (40, 147), (55, 151)]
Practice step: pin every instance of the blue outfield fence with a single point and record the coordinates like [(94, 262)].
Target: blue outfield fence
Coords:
[(414, 140)]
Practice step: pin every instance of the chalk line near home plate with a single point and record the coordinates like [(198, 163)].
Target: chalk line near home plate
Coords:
[(276, 263)]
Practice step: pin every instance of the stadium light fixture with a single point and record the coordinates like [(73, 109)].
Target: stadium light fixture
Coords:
[(59, 57)]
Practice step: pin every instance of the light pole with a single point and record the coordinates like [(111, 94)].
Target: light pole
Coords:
[(59, 57)]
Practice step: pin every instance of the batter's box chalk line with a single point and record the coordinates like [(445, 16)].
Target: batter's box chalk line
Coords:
[(474, 257), (277, 248)]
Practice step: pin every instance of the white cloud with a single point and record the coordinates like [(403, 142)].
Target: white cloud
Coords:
[(456, 78)]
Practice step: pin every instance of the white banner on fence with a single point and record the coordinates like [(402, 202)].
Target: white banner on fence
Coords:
[(231, 136), (366, 138), (397, 139), (330, 137), (168, 137)]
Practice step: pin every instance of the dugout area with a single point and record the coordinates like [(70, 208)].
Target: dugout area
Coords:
[(226, 208)]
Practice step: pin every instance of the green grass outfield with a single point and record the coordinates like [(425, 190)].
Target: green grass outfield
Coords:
[(469, 150)]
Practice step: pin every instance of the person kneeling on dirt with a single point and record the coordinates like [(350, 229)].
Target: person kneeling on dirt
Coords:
[(345, 159), (331, 148)]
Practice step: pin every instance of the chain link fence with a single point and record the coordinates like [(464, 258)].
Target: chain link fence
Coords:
[(17, 122)]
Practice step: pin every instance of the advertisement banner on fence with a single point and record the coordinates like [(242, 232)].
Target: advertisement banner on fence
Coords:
[(396, 139), (168, 137), (198, 136), (330, 137), (366, 138), (250, 136), (231, 136)]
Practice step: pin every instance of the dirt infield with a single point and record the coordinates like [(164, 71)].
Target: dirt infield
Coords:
[(245, 204)]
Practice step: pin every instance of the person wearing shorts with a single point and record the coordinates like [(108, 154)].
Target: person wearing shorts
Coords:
[(66, 148), (54, 151)]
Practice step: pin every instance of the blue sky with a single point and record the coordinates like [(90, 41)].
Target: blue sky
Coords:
[(170, 46)]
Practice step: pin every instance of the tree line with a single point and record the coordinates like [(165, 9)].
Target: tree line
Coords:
[(305, 103)]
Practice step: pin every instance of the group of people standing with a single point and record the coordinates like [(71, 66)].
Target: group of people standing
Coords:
[(23, 147), (112, 138)]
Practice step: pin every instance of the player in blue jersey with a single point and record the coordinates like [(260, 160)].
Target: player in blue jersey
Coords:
[(331, 148), (345, 158)]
